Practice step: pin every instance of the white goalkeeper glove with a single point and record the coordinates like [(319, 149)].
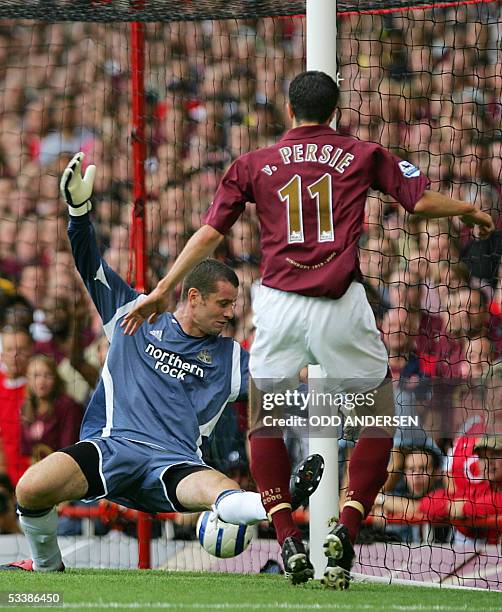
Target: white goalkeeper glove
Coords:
[(76, 190)]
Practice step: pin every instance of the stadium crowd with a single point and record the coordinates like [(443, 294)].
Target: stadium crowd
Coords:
[(426, 84)]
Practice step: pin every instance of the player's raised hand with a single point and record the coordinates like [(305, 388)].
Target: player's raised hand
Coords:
[(76, 190), (482, 220), (153, 305)]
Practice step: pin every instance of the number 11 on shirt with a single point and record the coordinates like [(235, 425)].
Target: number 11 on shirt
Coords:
[(321, 192)]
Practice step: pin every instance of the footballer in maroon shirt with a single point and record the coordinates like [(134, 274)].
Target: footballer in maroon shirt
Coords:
[(310, 192)]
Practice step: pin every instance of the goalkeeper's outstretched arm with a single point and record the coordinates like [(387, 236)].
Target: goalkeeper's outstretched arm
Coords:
[(111, 295)]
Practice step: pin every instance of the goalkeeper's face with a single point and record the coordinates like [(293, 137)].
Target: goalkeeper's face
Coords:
[(212, 312)]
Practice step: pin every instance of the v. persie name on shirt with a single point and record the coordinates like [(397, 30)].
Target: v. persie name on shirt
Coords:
[(172, 364), (309, 152)]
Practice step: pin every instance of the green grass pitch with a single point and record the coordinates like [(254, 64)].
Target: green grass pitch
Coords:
[(159, 590)]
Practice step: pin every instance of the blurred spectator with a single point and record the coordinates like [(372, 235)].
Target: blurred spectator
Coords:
[(396, 332), (32, 284), (467, 350), (471, 488), (17, 348), (488, 448), (10, 267), (67, 323), (88, 362), (64, 133), (412, 391), (57, 319), (50, 419), (18, 312), (421, 474), (27, 244), (243, 243), (8, 516), (378, 261)]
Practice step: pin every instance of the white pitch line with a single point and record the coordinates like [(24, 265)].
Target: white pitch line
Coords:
[(270, 606), (367, 579)]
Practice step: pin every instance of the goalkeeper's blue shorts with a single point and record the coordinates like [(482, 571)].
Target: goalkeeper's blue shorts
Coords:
[(133, 474)]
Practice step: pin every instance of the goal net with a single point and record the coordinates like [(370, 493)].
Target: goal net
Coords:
[(425, 81)]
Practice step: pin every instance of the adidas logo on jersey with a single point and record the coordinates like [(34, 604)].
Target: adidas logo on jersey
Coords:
[(156, 333)]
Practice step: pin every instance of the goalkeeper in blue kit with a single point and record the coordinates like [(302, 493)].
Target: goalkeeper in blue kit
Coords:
[(160, 392)]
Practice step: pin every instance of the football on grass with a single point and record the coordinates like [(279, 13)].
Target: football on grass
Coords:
[(221, 539)]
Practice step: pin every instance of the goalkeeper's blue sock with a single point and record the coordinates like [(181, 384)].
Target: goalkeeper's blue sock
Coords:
[(40, 529), (240, 507)]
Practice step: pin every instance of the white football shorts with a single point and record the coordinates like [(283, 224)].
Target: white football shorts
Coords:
[(341, 336)]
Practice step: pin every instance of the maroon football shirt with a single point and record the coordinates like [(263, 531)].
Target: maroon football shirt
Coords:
[(310, 192)]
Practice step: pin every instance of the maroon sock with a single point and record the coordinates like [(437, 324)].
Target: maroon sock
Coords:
[(271, 470), (367, 475)]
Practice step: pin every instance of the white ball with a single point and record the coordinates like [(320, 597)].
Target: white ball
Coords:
[(222, 539)]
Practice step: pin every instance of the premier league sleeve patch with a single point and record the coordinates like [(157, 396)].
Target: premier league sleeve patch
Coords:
[(408, 169)]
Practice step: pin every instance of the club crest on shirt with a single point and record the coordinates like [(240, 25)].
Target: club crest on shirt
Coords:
[(205, 357)]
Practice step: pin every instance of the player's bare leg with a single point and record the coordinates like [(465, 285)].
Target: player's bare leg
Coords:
[(367, 475), (56, 478), (207, 489), (271, 470)]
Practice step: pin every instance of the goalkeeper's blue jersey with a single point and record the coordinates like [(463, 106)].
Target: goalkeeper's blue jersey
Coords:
[(161, 386)]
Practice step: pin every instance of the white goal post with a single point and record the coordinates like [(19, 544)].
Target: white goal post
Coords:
[(321, 55)]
